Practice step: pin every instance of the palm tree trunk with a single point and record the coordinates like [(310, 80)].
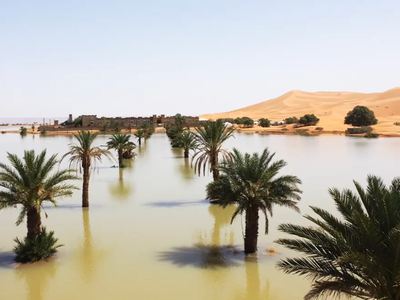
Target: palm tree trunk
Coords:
[(186, 153), (121, 165), (214, 163), (85, 187), (140, 141), (251, 234), (34, 222)]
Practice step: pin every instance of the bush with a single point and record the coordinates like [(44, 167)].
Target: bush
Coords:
[(42, 247), (302, 132), (397, 123), (264, 122), (371, 135), (3, 132), (292, 120), (247, 122), (360, 116), (285, 129), (309, 120), (23, 131), (319, 128), (359, 130)]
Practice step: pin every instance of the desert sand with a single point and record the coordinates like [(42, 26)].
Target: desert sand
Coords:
[(329, 107)]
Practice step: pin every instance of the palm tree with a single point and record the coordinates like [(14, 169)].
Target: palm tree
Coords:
[(356, 254), (140, 134), (209, 140), (82, 154), (30, 183), (251, 182), (188, 141), (120, 142)]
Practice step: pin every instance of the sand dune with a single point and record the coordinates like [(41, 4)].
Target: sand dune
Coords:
[(329, 107)]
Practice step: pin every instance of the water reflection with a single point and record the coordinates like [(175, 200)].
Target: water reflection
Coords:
[(177, 152), (253, 282), (36, 277), (120, 190), (142, 149), (208, 254), (186, 170)]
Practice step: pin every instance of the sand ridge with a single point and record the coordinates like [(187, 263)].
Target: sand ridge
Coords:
[(329, 107)]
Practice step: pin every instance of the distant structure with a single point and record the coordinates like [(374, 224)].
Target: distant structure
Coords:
[(70, 120), (133, 122)]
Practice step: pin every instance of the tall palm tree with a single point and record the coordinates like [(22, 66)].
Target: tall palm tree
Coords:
[(188, 141), (209, 141), (140, 134), (82, 154), (251, 182), (31, 182), (120, 142), (356, 254)]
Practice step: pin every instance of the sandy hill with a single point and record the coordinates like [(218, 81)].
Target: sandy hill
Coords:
[(329, 107)]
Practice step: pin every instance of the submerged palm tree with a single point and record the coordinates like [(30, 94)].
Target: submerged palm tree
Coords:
[(140, 134), (31, 182), (251, 182), (120, 142), (188, 141), (357, 254), (209, 141), (83, 154)]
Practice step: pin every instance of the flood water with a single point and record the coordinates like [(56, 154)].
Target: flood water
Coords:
[(149, 234)]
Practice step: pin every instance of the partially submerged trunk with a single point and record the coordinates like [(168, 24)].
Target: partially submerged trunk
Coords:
[(251, 233), (120, 161), (214, 163), (85, 185), (140, 141), (33, 223), (186, 153)]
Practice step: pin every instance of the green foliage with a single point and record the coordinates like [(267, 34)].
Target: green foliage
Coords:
[(353, 254), (30, 182), (82, 153), (121, 143), (397, 123), (251, 182), (209, 141), (309, 120), (319, 128), (264, 122), (148, 129), (371, 135), (285, 129), (360, 116), (292, 120), (77, 122), (44, 246), (23, 131), (303, 132), (246, 121), (359, 130), (175, 130), (104, 123), (188, 141)]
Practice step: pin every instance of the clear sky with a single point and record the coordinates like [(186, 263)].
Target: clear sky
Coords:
[(151, 57)]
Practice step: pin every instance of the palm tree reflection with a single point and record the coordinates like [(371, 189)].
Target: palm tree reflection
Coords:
[(186, 170), (120, 190), (37, 277)]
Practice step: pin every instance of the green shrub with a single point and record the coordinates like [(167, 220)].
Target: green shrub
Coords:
[(371, 135), (397, 123), (292, 120), (264, 122), (359, 130), (285, 129), (45, 245), (23, 131), (309, 120), (302, 132), (360, 116), (319, 128)]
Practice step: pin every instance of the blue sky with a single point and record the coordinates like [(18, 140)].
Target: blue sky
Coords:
[(143, 57)]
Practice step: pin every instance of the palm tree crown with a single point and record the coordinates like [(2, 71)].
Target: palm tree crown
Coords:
[(188, 141), (82, 154), (357, 254), (209, 141), (30, 182), (140, 134), (251, 182), (120, 142)]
